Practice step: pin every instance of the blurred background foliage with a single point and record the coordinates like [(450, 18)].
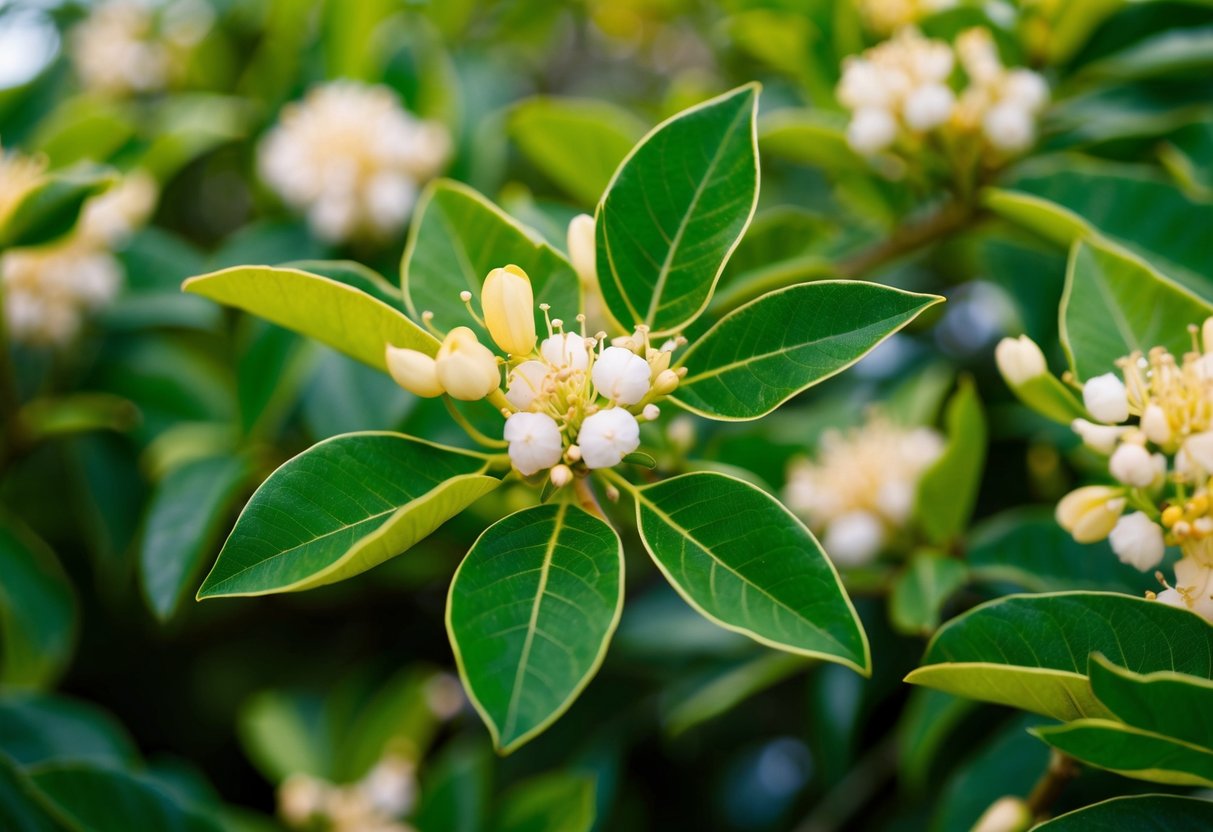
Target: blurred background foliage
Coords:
[(129, 449)]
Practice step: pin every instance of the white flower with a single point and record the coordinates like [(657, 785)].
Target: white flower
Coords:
[(1101, 438), (621, 376), (929, 106), (466, 368), (1194, 581), (1026, 89), (1155, 425), (1090, 513), (116, 49), (871, 130), (607, 436), (1009, 127), (535, 441), (390, 788), (1106, 399), (525, 383), (863, 86), (1138, 541), (1133, 465), (854, 538), (565, 351), (1019, 360), (1198, 449)]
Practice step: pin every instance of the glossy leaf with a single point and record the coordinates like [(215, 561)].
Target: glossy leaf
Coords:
[(921, 590), (561, 802), (332, 312), (37, 610), (675, 210), (51, 207), (577, 143), (341, 507), (1115, 304), (1031, 651), (1132, 752), (1168, 703), (765, 352), (354, 274), (531, 611), (457, 238), (1141, 813), (745, 562), (947, 491), (187, 512)]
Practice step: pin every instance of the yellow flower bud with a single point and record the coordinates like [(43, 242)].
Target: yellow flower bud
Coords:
[(466, 369), (509, 309), (665, 383), (1090, 513), (414, 371), (582, 251)]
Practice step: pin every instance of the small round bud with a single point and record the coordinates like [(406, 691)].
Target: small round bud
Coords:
[(871, 130), (1019, 360), (854, 538), (1138, 541), (650, 412), (1106, 399), (573, 454), (1009, 127), (561, 475), (929, 106)]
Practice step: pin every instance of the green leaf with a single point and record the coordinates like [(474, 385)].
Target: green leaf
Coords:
[(1132, 752), (39, 728), (37, 610), (50, 208), (810, 137), (187, 512), (764, 353), (108, 800), (1175, 50), (705, 696), (45, 418), (457, 238), (332, 312), (20, 811), (281, 735), (1145, 813), (1031, 651), (927, 723), (455, 789), (675, 210), (559, 802), (1115, 304), (921, 590), (1168, 703), (947, 491), (577, 143), (353, 274), (531, 611), (341, 507), (745, 562)]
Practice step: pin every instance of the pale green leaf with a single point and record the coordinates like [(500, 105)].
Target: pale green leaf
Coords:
[(558, 802)]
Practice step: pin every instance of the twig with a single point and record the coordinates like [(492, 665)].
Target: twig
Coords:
[(586, 498), (908, 238), (1061, 770)]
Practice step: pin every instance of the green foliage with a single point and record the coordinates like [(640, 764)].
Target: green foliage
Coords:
[(920, 592), (37, 610), (1151, 811), (947, 491), (50, 208)]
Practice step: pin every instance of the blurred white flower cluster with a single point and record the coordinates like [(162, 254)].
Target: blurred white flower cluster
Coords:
[(572, 402), (125, 47), (860, 489), (18, 174), (376, 803), (48, 289), (903, 100), (887, 16), (351, 158)]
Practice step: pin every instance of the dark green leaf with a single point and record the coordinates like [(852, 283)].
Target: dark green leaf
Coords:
[(1172, 704), (947, 491), (37, 610), (921, 590), (1144, 813), (1132, 752)]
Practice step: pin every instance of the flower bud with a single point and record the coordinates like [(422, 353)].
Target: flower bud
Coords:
[(582, 248), (1106, 399), (929, 106), (871, 130), (607, 437), (535, 442), (1101, 438), (1155, 425), (561, 475), (509, 309), (1026, 89), (467, 369), (565, 350), (1019, 360), (525, 383), (1133, 465), (1138, 541), (301, 797), (414, 371), (1206, 335), (1089, 513), (665, 383), (621, 376), (650, 412), (853, 538), (1007, 814), (1009, 127)]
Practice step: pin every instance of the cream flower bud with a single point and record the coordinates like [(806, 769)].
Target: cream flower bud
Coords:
[(1106, 399), (1009, 127), (525, 383), (1133, 465), (467, 369), (854, 538), (582, 250), (1206, 335), (929, 106), (1026, 89), (509, 309), (871, 130), (1198, 451), (561, 475), (1155, 425), (1019, 360), (1089, 513), (414, 371), (863, 85), (1007, 814), (650, 412), (535, 442), (621, 376), (665, 383), (565, 350), (1138, 541), (1101, 438), (607, 437)]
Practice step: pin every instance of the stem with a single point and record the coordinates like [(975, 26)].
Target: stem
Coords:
[(618, 480), (586, 498), (952, 217), (1061, 770), (469, 428), (855, 791)]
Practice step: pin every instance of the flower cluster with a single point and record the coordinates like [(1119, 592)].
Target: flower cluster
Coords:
[(48, 289), (351, 158), (572, 402), (376, 803), (126, 47), (1154, 420), (887, 16), (900, 94), (860, 489)]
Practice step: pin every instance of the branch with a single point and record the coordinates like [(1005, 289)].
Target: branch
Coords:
[(952, 217)]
